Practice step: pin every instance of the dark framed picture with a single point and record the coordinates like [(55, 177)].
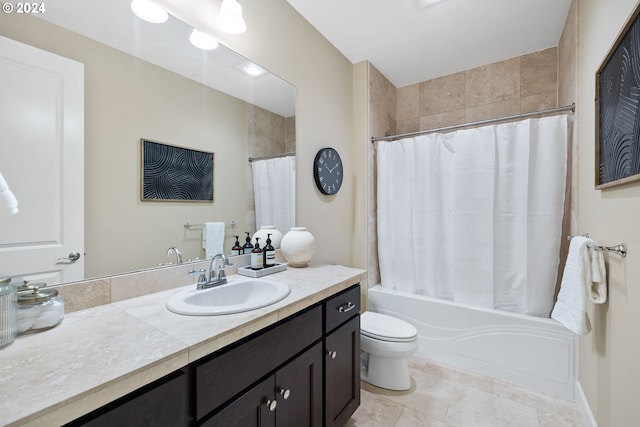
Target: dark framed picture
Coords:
[(171, 173), (618, 110)]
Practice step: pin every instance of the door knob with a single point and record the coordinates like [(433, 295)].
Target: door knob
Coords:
[(332, 354), (73, 257)]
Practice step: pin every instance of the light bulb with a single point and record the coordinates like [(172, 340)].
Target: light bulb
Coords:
[(202, 40), (230, 17), (148, 11)]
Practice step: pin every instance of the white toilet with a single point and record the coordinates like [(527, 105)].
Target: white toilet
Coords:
[(386, 342)]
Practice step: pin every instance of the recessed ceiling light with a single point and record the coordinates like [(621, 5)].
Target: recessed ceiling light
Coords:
[(148, 11)]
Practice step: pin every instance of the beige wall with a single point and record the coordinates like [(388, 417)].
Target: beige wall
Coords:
[(609, 371), (283, 42)]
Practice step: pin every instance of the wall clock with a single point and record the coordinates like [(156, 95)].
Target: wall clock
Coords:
[(327, 171)]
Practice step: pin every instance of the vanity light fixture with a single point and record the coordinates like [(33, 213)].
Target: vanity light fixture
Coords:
[(202, 40), (149, 11), (230, 17)]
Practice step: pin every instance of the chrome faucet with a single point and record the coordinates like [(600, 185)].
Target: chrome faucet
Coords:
[(173, 250), (220, 277)]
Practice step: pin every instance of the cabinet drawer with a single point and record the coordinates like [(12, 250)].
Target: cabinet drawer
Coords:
[(342, 307), (230, 372)]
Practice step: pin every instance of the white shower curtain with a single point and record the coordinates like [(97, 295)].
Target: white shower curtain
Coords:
[(274, 192), (475, 215)]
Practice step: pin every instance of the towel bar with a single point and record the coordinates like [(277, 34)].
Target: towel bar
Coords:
[(620, 249), (188, 226)]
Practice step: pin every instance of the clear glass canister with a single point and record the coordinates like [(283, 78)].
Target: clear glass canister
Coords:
[(38, 309), (8, 330)]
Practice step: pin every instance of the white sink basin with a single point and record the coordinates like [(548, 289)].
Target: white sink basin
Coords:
[(233, 297)]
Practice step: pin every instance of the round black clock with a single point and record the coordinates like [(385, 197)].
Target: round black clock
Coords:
[(327, 171)]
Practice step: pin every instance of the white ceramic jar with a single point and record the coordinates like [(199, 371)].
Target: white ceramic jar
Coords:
[(276, 236), (298, 246)]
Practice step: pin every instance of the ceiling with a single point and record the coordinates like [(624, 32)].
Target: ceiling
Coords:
[(410, 41)]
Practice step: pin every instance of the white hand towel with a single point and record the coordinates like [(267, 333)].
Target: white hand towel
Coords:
[(571, 307), (598, 288), (213, 238), (8, 202)]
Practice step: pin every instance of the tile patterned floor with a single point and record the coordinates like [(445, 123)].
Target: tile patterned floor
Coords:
[(443, 396)]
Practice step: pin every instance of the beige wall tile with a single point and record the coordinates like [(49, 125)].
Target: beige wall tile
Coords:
[(408, 125), (539, 72), (87, 294), (408, 102), (443, 94), (493, 83), (538, 102), (381, 92), (491, 111), (443, 119)]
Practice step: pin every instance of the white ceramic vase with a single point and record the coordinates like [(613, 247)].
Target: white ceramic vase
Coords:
[(298, 246), (276, 236)]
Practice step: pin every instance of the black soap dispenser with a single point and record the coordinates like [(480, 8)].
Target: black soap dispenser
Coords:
[(269, 253), (247, 247), (237, 249), (257, 257)]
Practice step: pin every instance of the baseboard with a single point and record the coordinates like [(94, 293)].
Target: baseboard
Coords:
[(585, 409)]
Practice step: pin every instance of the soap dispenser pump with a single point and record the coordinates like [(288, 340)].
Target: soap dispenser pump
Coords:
[(237, 249), (257, 257), (247, 247), (269, 253)]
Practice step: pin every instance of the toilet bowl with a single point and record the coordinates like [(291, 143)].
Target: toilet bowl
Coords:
[(386, 342)]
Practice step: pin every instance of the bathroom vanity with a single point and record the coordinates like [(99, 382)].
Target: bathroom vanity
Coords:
[(290, 364)]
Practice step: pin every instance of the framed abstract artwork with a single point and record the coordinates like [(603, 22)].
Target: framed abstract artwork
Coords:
[(618, 110), (171, 173)]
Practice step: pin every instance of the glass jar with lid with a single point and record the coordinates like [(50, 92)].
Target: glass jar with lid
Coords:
[(38, 309), (7, 312)]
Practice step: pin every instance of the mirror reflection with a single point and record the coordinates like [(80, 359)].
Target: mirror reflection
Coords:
[(140, 81)]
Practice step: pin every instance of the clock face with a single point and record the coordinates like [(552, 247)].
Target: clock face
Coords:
[(327, 171)]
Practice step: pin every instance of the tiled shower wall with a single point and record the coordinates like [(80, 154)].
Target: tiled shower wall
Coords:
[(519, 85), (267, 134)]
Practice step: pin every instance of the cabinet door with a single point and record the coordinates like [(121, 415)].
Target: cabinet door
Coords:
[(163, 403), (299, 390), (342, 370), (254, 408)]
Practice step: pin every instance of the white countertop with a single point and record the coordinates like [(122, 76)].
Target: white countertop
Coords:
[(100, 354)]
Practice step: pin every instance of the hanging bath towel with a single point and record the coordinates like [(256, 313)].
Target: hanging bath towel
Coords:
[(583, 279), (213, 238)]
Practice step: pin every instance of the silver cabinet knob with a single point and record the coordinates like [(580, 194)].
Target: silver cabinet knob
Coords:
[(332, 354), (285, 393), (271, 404)]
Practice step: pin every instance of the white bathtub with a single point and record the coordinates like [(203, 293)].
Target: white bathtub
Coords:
[(536, 353)]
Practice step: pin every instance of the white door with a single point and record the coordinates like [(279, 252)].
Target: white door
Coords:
[(42, 160)]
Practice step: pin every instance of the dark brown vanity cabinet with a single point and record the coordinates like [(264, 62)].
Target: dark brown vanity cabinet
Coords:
[(342, 357), (161, 403), (301, 371), (292, 397)]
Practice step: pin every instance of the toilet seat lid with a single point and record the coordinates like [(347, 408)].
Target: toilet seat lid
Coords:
[(386, 328)]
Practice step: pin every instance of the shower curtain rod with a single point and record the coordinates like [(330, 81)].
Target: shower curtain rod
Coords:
[(571, 107), (275, 156)]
